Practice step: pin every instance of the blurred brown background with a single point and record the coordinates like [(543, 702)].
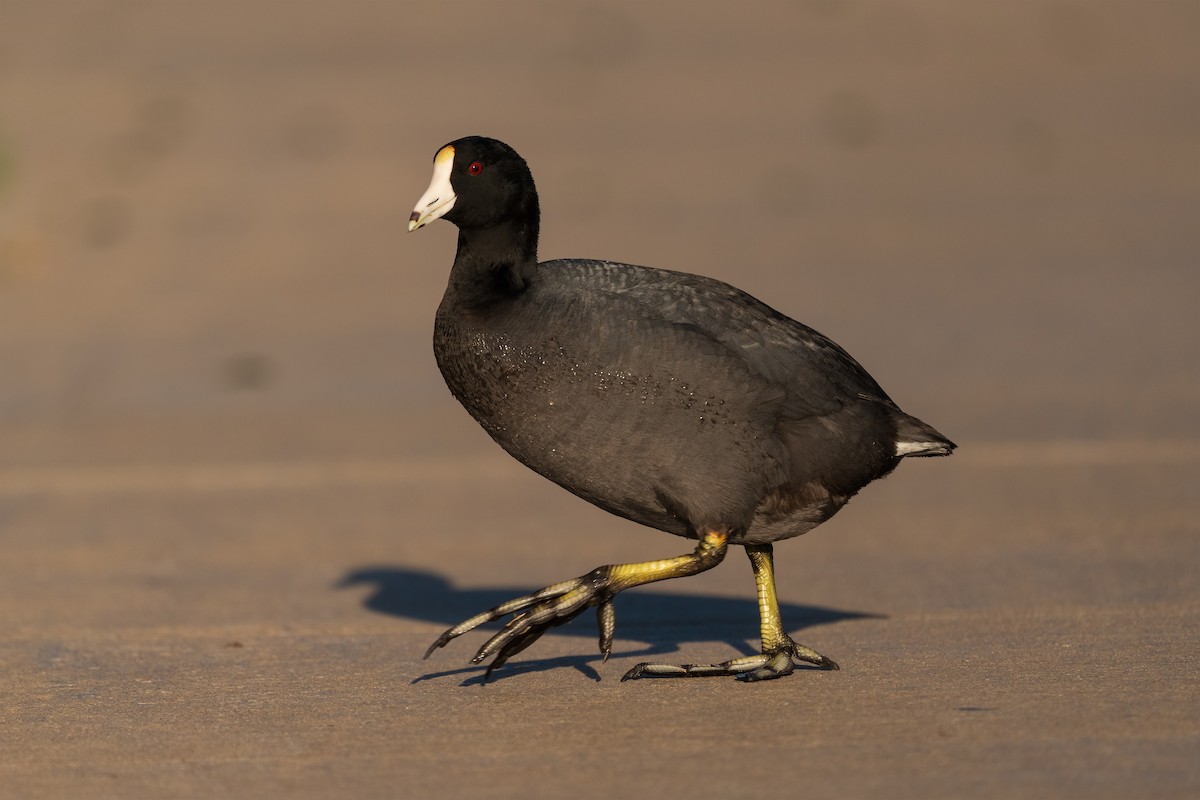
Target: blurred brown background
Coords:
[(218, 400)]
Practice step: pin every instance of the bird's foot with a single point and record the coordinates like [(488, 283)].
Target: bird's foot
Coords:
[(773, 663), (537, 613)]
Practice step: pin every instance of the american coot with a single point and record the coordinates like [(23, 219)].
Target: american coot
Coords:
[(673, 400)]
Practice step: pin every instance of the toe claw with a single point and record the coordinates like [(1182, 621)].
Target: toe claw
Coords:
[(441, 641), (635, 673)]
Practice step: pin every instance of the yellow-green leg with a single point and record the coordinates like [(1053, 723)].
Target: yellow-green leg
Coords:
[(779, 653), (562, 602), (775, 640)]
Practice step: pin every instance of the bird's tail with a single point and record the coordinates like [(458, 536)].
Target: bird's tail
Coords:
[(915, 438)]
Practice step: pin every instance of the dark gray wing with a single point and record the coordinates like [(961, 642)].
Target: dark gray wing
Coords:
[(816, 376)]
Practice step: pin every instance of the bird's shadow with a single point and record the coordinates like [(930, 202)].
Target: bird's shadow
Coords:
[(659, 620)]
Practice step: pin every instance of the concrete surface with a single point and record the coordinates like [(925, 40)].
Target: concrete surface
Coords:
[(236, 502)]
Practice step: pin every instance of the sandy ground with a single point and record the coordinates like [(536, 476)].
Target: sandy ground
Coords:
[(237, 503)]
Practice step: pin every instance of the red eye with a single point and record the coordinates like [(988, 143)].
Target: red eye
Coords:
[(475, 168)]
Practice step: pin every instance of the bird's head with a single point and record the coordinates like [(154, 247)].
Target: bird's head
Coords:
[(477, 183)]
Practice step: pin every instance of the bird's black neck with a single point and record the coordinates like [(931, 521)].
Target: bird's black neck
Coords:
[(494, 263)]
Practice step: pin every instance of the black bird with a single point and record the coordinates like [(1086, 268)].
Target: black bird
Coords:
[(670, 399)]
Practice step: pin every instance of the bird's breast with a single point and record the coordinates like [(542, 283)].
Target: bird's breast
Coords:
[(539, 388)]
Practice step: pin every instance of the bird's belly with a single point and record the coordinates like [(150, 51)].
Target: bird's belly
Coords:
[(647, 447)]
